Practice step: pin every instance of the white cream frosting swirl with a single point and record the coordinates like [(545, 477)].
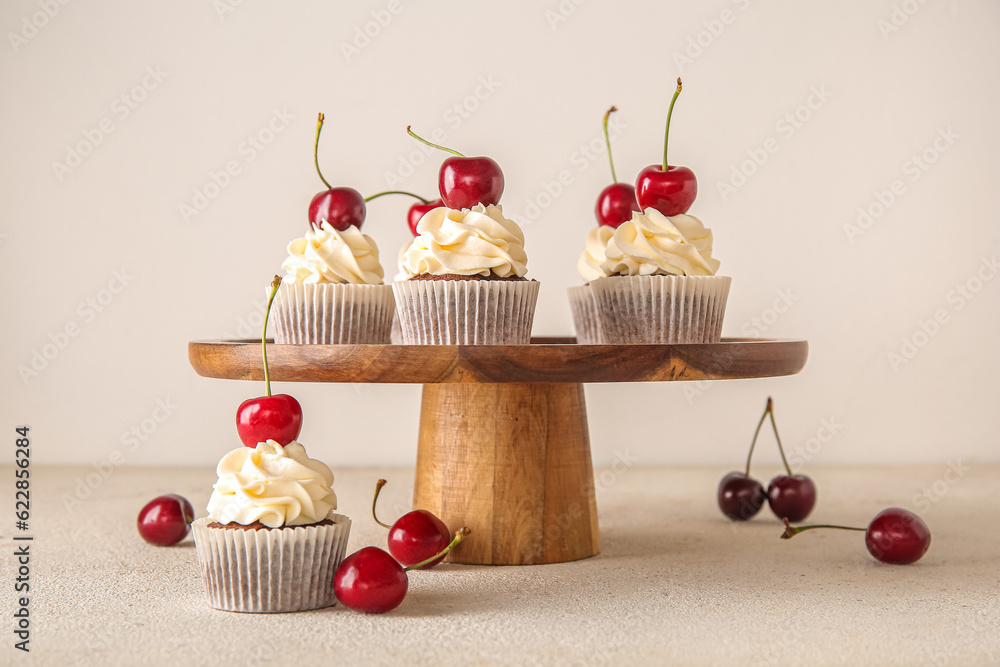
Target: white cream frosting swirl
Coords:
[(466, 242), (326, 255), (275, 485), (651, 243), (589, 264)]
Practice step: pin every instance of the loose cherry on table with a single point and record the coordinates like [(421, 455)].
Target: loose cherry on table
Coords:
[(466, 181), (416, 536), (789, 496), (278, 417), (340, 207), (616, 202), (165, 520), (372, 581), (670, 190), (740, 495), (895, 536)]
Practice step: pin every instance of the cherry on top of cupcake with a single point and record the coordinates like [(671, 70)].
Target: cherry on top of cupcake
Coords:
[(616, 202), (669, 189), (466, 181), (342, 207), (268, 417)]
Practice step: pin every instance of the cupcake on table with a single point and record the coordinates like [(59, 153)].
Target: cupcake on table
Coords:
[(466, 268), (272, 541)]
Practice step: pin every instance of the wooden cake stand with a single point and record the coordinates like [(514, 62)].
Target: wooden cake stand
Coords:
[(503, 445)]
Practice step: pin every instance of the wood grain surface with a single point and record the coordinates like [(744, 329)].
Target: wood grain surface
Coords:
[(547, 360), (512, 463)]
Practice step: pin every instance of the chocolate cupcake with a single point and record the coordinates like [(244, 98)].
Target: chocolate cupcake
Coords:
[(586, 319), (466, 281), (272, 541), (332, 291), (662, 285)]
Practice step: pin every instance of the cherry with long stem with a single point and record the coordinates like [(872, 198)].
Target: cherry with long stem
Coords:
[(414, 537), (616, 202), (339, 207), (465, 182), (669, 189), (789, 496), (894, 536), (740, 496), (277, 418)]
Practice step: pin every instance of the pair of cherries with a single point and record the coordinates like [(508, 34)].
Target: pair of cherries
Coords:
[(790, 496), (462, 181), (667, 188), (166, 520), (373, 581)]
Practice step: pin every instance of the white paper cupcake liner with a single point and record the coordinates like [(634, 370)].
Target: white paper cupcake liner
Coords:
[(661, 309), (332, 313), (466, 312), (270, 571), (585, 316), (396, 333)]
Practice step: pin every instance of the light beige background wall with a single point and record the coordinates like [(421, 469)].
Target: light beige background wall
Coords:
[(155, 98)]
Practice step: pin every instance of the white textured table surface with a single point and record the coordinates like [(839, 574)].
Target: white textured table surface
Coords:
[(675, 582)]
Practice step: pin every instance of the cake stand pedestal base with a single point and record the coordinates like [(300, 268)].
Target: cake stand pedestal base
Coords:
[(512, 463)]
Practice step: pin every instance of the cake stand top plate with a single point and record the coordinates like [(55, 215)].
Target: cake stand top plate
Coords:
[(545, 360)]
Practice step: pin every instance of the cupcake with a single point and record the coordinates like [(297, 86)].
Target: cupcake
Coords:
[(581, 298), (332, 291), (662, 285), (466, 280), (272, 541)]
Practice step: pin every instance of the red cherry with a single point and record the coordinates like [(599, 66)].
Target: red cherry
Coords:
[(370, 580), (165, 520), (615, 204), (418, 210), (617, 201), (340, 207), (670, 192), (791, 497), (416, 536), (467, 181), (894, 536), (897, 536), (277, 418), (740, 497)]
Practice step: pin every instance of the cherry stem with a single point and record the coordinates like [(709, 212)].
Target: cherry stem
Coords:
[(666, 132), (459, 536), (319, 128), (397, 192), (424, 141), (263, 336), (756, 433), (378, 488), (607, 142), (791, 531), (774, 425)]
